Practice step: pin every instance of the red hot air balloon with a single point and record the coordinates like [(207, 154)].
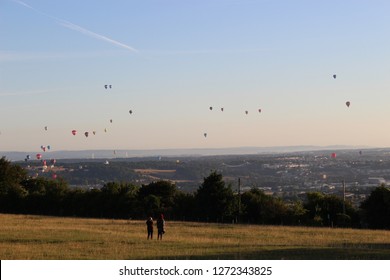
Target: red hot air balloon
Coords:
[(74, 131), (333, 155), (39, 156)]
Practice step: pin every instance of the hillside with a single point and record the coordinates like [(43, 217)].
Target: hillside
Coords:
[(38, 237)]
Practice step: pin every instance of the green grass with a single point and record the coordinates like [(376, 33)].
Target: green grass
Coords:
[(43, 238)]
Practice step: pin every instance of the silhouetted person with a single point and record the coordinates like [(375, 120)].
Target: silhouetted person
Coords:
[(149, 226), (160, 227)]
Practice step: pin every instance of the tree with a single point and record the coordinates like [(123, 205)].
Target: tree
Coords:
[(10, 175), (262, 208), (184, 207), (328, 210), (12, 193), (214, 201), (119, 200), (376, 208), (162, 193)]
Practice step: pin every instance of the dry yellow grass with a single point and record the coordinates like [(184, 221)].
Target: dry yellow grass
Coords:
[(39, 237)]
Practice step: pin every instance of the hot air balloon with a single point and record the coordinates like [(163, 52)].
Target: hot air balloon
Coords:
[(86, 134), (74, 131), (39, 156), (110, 120), (259, 110), (54, 176), (28, 157), (246, 112), (130, 112), (48, 147), (205, 134), (43, 148), (45, 127), (53, 161), (105, 130), (334, 76), (211, 108), (94, 132), (222, 109), (333, 155), (348, 103)]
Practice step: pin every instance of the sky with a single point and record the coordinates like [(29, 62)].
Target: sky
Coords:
[(169, 61)]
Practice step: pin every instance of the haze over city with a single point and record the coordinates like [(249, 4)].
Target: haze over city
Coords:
[(178, 74)]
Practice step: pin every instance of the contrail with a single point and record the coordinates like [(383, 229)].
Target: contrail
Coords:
[(78, 28), (89, 33)]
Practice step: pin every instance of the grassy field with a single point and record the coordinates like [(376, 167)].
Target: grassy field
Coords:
[(43, 238)]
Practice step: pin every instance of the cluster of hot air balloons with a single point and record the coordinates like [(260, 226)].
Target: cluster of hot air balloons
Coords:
[(44, 148), (74, 132), (222, 109), (39, 157)]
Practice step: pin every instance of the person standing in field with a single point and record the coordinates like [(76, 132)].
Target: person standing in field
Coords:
[(160, 227), (149, 227)]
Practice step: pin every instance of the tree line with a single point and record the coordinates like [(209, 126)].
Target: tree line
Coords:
[(213, 201)]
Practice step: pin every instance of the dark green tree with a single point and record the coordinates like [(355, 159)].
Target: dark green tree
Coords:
[(329, 210), (215, 201), (165, 191), (119, 200), (12, 193), (45, 196), (376, 208), (262, 208), (184, 208), (152, 205)]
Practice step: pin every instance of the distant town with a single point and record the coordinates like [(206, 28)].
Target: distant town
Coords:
[(349, 173)]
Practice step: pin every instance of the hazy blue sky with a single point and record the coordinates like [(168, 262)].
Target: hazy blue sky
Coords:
[(170, 60)]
